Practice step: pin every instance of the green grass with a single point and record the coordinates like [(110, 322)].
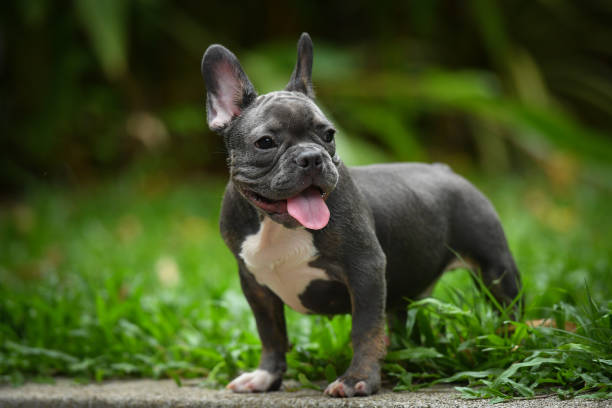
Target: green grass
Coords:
[(468, 340), (131, 278)]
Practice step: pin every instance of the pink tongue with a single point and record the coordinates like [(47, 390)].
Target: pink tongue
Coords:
[(309, 209)]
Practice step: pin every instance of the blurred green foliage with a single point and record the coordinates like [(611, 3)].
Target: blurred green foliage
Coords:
[(91, 87)]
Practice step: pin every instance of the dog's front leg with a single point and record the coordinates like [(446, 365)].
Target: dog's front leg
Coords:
[(366, 282), (270, 318)]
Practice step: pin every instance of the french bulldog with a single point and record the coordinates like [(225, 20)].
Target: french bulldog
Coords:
[(310, 233)]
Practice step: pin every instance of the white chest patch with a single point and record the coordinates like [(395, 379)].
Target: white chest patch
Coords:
[(278, 257)]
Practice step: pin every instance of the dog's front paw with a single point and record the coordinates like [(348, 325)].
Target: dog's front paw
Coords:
[(349, 386), (255, 381)]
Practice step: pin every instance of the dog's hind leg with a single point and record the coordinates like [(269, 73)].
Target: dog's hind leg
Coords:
[(501, 277), (477, 239)]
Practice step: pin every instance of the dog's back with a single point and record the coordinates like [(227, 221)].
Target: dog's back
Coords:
[(426, 215)]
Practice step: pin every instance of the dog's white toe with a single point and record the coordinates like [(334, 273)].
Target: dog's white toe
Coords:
[(254, 381)]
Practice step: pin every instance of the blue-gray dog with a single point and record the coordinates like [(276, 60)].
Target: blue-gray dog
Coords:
[(310, 233)]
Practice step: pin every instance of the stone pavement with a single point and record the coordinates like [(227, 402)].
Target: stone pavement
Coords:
[(165, 393)]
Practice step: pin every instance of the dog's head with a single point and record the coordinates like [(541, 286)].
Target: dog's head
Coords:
[(281, 148)]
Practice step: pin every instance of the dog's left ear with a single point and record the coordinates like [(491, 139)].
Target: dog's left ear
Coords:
[(301, 78), (228, 89)]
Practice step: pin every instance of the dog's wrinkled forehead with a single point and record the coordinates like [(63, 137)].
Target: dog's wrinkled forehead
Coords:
[(291, 111)]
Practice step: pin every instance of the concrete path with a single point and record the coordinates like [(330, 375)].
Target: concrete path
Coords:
[(165, 393)]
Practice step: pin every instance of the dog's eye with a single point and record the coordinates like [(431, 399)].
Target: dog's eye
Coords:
[(265, 142), (328, 136)]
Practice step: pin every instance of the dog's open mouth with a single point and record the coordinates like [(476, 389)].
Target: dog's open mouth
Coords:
[(308, 207)]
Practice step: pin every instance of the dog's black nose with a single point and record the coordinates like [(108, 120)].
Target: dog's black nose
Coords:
[(309, 159)]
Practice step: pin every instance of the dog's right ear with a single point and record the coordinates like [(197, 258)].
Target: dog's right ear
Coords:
[(228, 89), (300, 80)]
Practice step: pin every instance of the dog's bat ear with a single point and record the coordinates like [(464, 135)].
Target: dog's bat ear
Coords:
[(228, 89), (301, 78)]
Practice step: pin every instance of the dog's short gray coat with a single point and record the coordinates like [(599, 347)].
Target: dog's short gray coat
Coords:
[(393, 229)]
